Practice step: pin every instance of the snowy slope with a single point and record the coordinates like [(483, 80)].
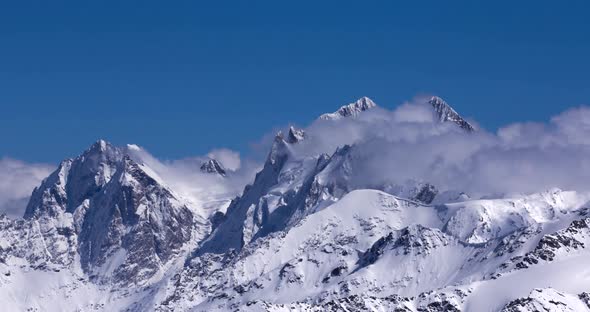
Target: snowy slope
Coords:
[(549, 300), (347, 250)]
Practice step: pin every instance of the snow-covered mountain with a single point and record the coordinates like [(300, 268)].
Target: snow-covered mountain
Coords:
[(444, 112), (350, 110), (113, 215), (213, 166), (312, 232)]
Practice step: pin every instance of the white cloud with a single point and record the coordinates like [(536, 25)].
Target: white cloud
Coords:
[(393, 146), (17, 181), (573, 125), (206, 191), (230, 159), (404, 144)]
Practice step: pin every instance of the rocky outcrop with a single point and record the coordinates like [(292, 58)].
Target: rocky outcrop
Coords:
[(213, 166), (445, 113), (350, 110), (548, 299), (120, 219)]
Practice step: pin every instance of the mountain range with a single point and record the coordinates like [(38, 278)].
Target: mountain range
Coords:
[(314, 230)]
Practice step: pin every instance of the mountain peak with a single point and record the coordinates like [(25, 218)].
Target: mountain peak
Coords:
[(101, 147), (350, 110), (103, 203), (278, 150), (213, 166), (75, 180), (295, 135), (444, 112)]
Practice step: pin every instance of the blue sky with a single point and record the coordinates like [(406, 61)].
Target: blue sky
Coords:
[(183, 77)]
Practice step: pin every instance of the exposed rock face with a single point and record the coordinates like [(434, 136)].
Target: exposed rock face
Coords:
[(351, 303), (213, 166), (74, 181), (446, 113), (414, 239), (426, 194), (541, 300), (550, 246), (295, 135), (137, 218), (44, 246), (230, 234), (585, 298), (123, 222)]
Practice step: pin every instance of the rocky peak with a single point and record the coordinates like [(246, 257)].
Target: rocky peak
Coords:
[(135, 217), (229, 234), (117, 213), (419, 239), (415, 239), (213, 166), (295, 135), (548, 299), (279, 151), (99, 154), (426, 193), (75, 180), (350, 110), (100, 146), (444, 112)]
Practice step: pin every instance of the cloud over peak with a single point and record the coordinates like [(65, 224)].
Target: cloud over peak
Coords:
[(409, 142)]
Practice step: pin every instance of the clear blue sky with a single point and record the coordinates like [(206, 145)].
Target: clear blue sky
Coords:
[(182, 77)]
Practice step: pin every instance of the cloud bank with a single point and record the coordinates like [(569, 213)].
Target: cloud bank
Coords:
[(206, 192), (405, 144), (17, 181)]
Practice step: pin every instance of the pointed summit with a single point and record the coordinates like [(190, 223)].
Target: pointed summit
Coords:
[(295, 135), (350, 110), (135, 216), (99, 146), (279, 150), (100, 152), (75, 180), (104, 203), (213, 166), (444, 112)]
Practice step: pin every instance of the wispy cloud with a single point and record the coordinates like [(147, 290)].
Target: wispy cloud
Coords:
[(204, 190), (230, 159), (17, 181)]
